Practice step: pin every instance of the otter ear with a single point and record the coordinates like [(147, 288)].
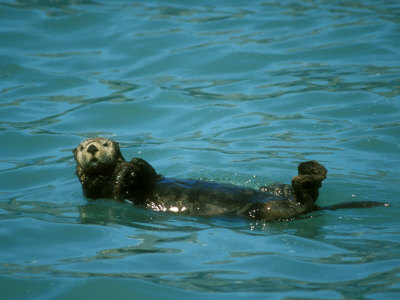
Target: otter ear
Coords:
[(116, 145), (117, 150)]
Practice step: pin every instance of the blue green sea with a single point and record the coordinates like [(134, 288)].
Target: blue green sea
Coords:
[(232, 91)]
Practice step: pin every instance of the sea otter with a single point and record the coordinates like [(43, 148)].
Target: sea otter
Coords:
[(104, 173)]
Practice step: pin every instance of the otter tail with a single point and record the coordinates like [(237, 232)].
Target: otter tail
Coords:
[(354, 204)]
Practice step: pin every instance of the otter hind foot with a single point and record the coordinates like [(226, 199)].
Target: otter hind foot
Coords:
[(308, 182), (312, 168)]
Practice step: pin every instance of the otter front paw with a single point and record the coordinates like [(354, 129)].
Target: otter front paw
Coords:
[(134, 179)]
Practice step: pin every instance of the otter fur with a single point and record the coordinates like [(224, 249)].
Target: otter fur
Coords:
[(104, 173)]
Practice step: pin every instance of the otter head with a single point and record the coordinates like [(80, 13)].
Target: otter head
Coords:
[(97, 156)]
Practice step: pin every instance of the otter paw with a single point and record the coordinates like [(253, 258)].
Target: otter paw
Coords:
[(306, 188)]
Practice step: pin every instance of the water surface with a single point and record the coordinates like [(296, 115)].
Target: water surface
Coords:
[(228, 91)]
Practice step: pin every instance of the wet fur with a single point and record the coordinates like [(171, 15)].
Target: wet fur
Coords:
[(104, 173)]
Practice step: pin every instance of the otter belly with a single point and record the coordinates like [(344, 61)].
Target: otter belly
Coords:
[(202, 198)]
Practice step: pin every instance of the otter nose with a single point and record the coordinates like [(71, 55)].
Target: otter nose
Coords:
[(92, 149)]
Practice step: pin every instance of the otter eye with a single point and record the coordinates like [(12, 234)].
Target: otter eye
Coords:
[(105, 144), (81, 148)]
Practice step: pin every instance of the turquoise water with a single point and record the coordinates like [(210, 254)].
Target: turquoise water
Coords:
[(230, 91)]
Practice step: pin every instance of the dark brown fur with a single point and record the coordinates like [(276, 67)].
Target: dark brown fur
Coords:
[(104, 173)]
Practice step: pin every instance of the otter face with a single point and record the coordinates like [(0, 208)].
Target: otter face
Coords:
[(97, 155)]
